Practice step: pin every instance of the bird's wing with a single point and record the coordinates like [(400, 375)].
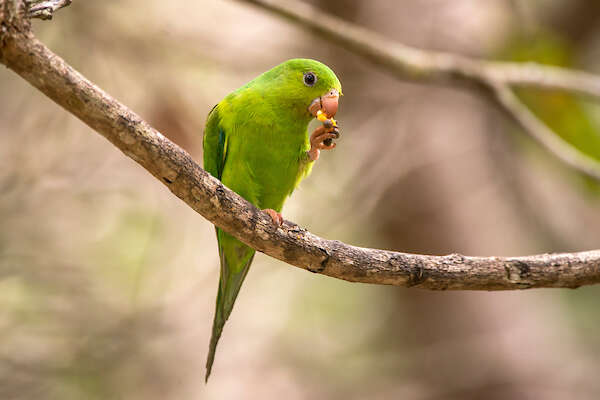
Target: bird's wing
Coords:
[(214, 144)]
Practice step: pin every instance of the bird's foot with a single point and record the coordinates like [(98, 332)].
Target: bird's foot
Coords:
[(321, 139), (275, 216)]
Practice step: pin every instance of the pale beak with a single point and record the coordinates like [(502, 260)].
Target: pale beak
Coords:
[(328, 104)]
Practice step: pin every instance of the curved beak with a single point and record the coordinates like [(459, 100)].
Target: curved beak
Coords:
[(328, 104)]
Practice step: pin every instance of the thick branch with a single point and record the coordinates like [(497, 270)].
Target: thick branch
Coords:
[(495, 78), (29, 58)]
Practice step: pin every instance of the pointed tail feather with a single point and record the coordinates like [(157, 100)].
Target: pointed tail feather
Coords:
[(236, 258)]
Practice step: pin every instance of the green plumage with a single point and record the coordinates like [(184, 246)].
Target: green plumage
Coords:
[(255, 142)]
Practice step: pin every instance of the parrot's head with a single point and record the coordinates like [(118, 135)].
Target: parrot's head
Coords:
[(305, 87)]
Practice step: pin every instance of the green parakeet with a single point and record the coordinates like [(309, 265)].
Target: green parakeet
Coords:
[(256, 142)]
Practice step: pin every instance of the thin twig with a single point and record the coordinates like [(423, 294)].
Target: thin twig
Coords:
[(496, 78), (544, 135), (172, 166), (44, 9)]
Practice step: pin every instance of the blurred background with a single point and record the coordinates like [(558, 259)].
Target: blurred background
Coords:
[(108, 282)]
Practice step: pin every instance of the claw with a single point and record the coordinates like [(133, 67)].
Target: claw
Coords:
[(275, 216), (321, 139)]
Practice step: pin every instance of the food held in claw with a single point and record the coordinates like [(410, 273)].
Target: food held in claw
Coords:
[(330, 125)]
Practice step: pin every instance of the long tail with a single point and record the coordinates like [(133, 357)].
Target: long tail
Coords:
[(236, 258)]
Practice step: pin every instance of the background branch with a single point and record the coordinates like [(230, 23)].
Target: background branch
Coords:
[(429, 66), (24, 54), (494, 79), (544, 135)]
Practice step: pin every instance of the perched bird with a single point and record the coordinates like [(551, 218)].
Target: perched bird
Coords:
[(256, 142)]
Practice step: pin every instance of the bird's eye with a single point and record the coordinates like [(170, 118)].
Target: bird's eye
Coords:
[(310, 79)]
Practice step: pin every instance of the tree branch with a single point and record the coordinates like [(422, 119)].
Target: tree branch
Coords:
[(24, 54), (495, 78)]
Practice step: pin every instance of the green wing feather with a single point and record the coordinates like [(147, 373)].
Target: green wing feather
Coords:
[(235, 256), (214, 144)]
